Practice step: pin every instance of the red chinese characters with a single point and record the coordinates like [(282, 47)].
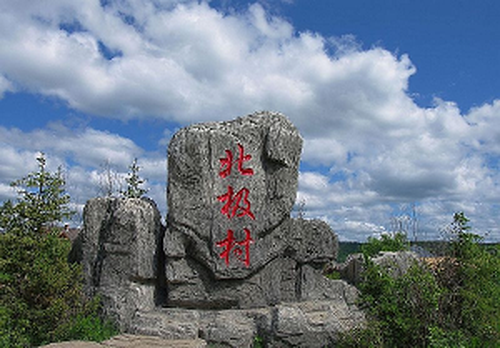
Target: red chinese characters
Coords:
[(226, 163), (240, 249), (235, 205)]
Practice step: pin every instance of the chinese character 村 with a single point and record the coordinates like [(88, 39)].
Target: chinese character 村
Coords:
[(240, 249)]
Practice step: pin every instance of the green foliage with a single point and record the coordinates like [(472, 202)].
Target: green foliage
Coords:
[(258, 342), (134, 182), (335, 275), (41, 298), (346, 249), (454, 304), (386, 242), (362, 337), (470, 279), (404, 307), (42, 201), (86, 326)]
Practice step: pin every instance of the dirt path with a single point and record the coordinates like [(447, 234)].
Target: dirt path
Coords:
[(132, 341)]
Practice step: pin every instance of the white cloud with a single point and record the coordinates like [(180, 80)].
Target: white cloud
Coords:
[(5, 86), (87, 146), (7, 192), (90, 159)]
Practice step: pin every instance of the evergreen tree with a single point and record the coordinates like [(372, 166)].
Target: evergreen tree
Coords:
[(134, 182), (41, 298), (42, 202)]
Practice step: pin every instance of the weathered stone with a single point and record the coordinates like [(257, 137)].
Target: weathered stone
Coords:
[(312, 323), (205, 268), (312, 241), (232, 262), (297, 324), (298, 249), (397, 263), (120, 244), (173, 324), (137, 341), (260, 176), (229, 328)]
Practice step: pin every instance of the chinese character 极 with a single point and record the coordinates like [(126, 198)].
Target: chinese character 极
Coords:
[(236, 205)]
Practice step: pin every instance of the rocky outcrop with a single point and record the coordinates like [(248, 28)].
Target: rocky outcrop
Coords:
[(231, 265), (396, 263), (230, 241), (296, 324), (240, 175), (121, 255)]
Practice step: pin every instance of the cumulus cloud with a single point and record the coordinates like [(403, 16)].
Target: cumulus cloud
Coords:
[(5, 86), (368, 146), (92, 161), (85, 146)]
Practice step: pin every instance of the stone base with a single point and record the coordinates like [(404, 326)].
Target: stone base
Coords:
[(291, 270), (295, 324)]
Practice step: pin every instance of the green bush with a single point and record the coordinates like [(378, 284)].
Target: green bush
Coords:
[(470, 279), (41, 298), (42, 202), (454, 304), (386, 242), (87, 326), (403, 307)]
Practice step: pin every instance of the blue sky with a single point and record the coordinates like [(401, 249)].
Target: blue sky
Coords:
[(398, 101)]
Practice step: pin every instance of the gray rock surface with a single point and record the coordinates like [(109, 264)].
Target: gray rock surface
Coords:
[(397, 263), (295, 324), (231, 265), (230, 241), (121, 255), (252, 160)]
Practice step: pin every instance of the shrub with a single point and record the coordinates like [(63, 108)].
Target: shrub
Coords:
[(41, 204), (134, 182), (41, 298), (470, 279), (454, 305), (386, 242), (404, 307)]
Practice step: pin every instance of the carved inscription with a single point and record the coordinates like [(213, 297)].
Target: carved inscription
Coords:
[(235, 205)]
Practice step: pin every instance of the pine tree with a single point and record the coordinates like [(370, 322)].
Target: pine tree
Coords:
[(134, 182), (42, 201)]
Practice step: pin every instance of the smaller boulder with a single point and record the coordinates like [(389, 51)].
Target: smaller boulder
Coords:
[(121, 254), (397, 263)]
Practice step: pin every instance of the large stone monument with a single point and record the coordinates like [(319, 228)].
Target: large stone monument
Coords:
[(231, 263), (230, 241)]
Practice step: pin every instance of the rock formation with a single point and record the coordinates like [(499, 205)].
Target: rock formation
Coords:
[(230, 242), (396, 263), (231, 264), (121, 255)]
